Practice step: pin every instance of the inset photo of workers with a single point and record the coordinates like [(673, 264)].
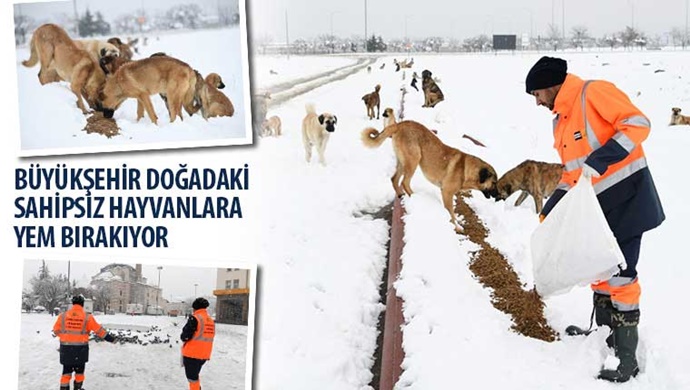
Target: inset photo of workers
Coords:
[(117, 325)]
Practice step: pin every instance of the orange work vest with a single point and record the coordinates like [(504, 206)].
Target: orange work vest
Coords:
[(74, 325), (580, 129), (201, 344)]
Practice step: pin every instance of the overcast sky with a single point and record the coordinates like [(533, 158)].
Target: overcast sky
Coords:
[(459, 18), (415, 18), (176, 281)]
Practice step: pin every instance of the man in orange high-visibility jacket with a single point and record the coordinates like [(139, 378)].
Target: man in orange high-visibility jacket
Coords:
[(598, 133), (73, 327), (197, 334)]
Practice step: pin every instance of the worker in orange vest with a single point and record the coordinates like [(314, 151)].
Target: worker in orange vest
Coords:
[(73, 327), (598, 133), (197, 335)]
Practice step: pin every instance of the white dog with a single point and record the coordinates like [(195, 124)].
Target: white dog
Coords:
[(316, 130)]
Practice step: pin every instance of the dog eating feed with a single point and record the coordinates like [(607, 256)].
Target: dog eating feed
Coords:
[(535, 178), (446, 167)]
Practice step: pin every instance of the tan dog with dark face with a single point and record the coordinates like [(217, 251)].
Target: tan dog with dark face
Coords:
[(125, 49), (677, 119), (61, 59), (372, 100), (214, 102), (446, 167), (272, 127), (388, 117), (143, 78), (535, 178), (316, 130), (432, 93), (97, 49)]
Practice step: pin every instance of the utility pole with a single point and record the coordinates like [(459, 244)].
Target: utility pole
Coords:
[(563, 17), (69, 285), (158, 293), (76, 18), (287, 36), (366, 37)]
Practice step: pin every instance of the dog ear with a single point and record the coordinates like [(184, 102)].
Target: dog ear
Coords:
[(484, 175), (321, 118), (335, 119)]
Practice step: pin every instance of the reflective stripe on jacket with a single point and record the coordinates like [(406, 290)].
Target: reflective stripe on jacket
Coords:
[(201, 344), (597, 124), (74, 325)]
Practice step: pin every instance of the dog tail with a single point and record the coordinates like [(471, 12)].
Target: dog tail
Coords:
[(373, 139), (310, 108), (33, 60)]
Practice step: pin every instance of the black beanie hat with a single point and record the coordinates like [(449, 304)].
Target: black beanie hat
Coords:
[(78, 300), (200, 303), (547, 72)]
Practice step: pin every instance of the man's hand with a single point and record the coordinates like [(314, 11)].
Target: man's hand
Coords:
[(589, 172)]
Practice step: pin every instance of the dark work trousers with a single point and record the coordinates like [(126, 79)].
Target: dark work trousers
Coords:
[(631, 251), (77, 369), (192, 367)]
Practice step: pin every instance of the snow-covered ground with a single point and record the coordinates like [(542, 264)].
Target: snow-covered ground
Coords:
[(121, 366), (269, 71), (322, 261), (51, 123)]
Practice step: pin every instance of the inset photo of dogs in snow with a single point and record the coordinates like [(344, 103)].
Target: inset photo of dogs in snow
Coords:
[(130, 75)]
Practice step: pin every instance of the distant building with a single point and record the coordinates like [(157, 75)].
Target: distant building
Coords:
[(232, 296), (125, 286)]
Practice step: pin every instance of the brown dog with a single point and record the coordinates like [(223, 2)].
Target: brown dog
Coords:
[(535, 178), (272, 127), (677, 119), (190, 107), (316, 130), (124, 48), (372, 100), (61, 59), (448, 168), (214, 102), (110, 64), (143, 78), (432, 93)]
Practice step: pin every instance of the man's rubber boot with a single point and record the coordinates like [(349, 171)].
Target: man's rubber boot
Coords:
[(625, 340), (64, 387), (603, 311), (78, 385)]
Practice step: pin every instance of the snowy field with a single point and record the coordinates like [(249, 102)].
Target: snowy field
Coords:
[(51, 122), (122, 366), (323, 260), (269, 71)]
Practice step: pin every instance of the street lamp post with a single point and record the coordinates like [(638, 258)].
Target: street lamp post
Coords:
[(158, 293), (195, 284), (365, 26), (563, 17)]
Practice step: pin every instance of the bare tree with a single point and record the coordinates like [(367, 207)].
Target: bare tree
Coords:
[(630, 36), (580, 36), (28, 300), (101, 297), (50, 291), (554, 37)]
